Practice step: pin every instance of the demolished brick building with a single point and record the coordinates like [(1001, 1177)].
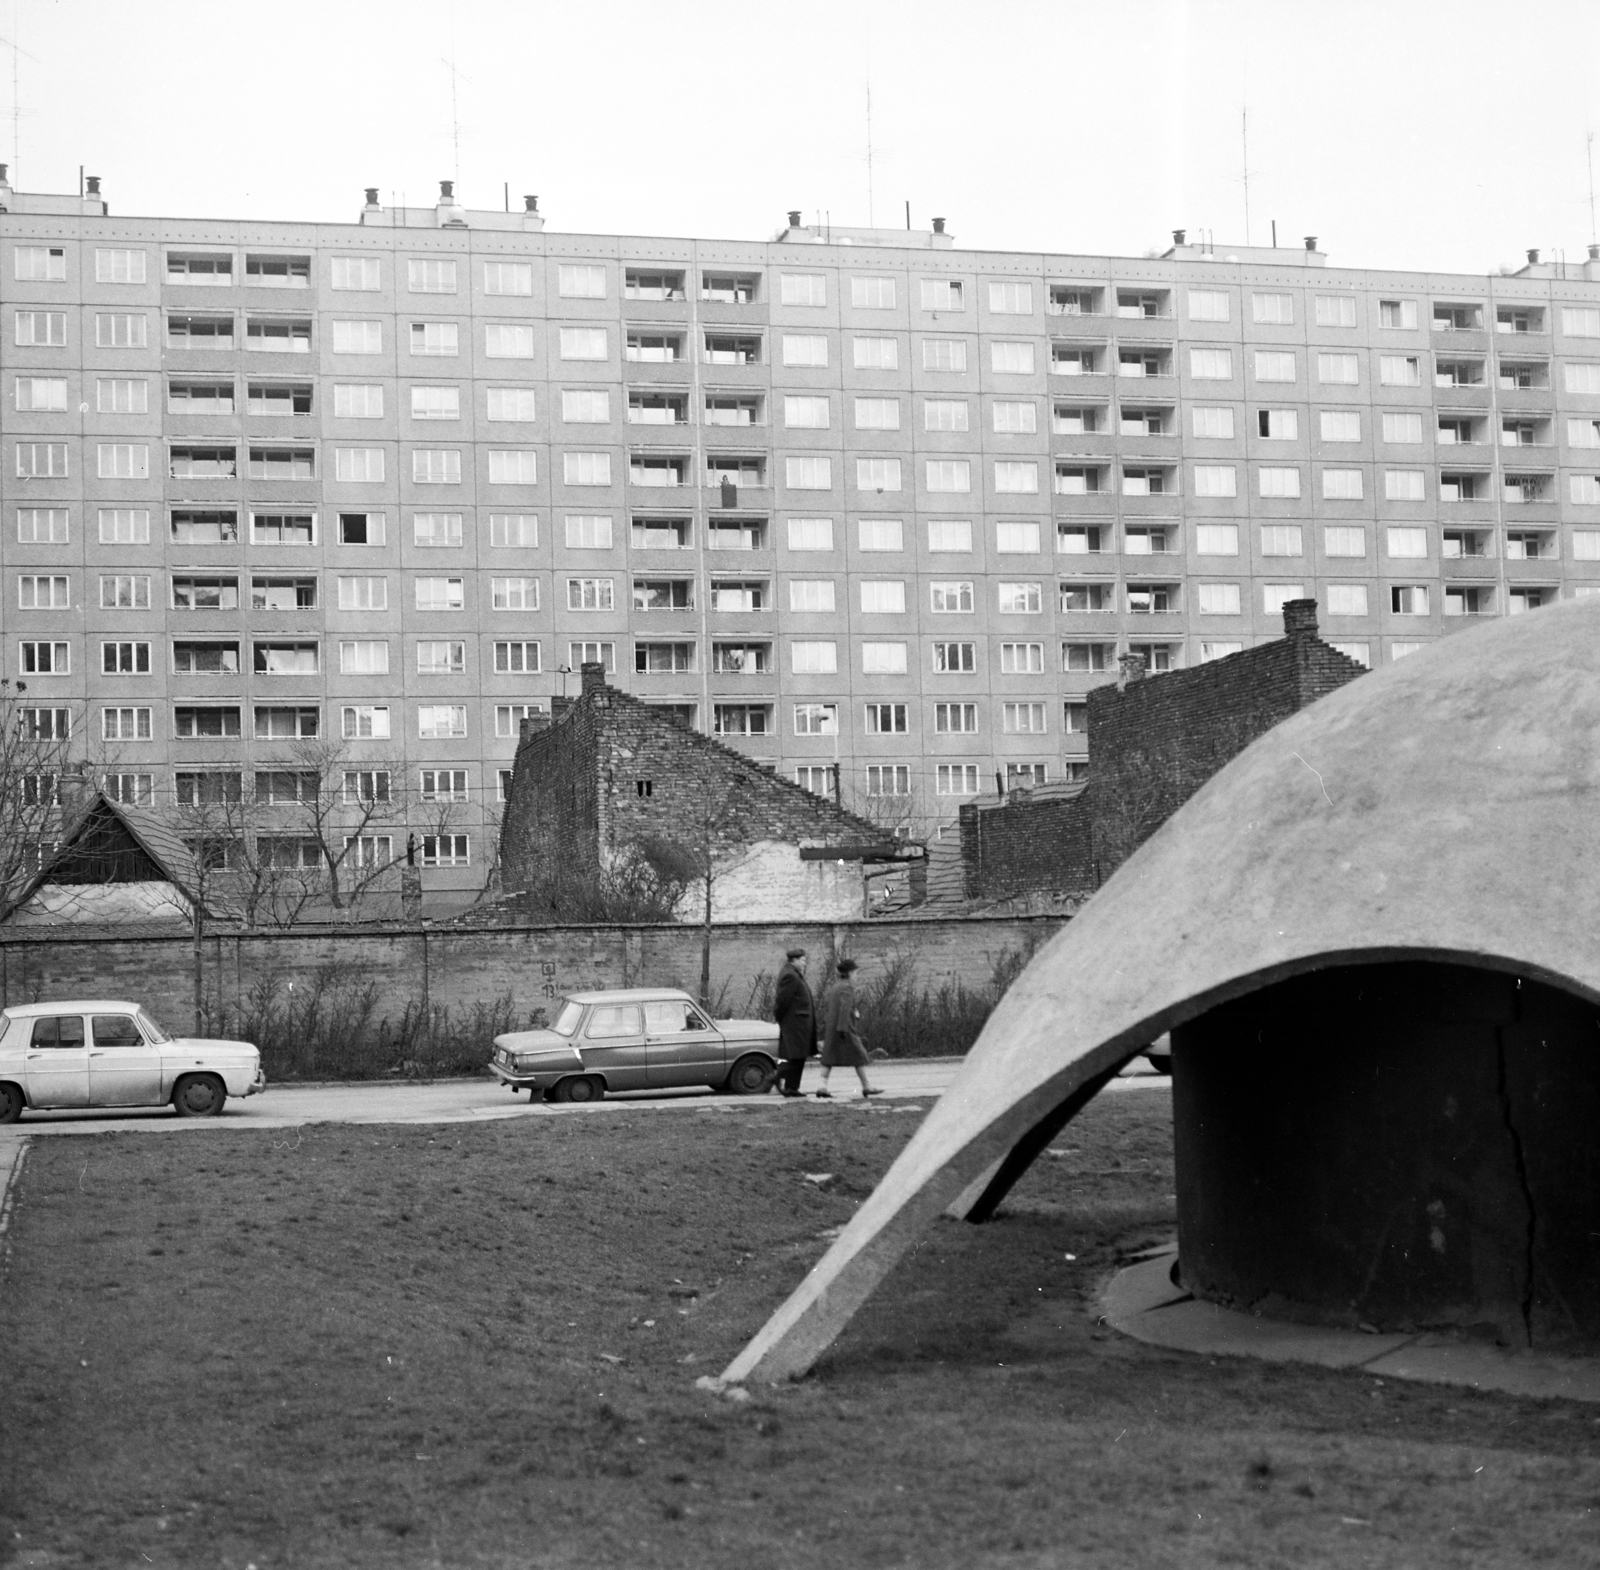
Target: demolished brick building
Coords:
[(608, 777), (1153, 742)]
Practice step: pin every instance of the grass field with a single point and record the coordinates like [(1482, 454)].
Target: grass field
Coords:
[(477, 1346)]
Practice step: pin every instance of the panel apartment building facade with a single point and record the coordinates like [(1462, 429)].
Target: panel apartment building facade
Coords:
[(874, 509)]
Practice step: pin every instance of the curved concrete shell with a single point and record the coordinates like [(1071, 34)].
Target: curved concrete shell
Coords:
[(1445, 807)]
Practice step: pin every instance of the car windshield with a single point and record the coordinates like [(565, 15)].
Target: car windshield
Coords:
[(567, 1020), (151, 1029)]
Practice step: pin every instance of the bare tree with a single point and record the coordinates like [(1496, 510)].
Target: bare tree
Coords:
[(34, 755)]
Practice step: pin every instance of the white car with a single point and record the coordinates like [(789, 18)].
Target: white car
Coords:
[(109, 1054)]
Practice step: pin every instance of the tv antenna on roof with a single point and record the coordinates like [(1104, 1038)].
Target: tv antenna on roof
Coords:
[(16, 105), (455, 118), (1592, 235)]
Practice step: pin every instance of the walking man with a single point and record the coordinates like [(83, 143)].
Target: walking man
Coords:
[(796, 1013)]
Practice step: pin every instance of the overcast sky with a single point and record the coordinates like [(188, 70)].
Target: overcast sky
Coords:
[(1443, 135)]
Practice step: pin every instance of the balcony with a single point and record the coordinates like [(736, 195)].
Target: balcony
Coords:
[(1074, 300)]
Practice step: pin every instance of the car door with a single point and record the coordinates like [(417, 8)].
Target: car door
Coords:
[(613, 1045), (56, 1063), (124, 1068), (684, 1047)]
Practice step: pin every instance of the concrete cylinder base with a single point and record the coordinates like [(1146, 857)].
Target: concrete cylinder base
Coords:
[(1398, 1147)]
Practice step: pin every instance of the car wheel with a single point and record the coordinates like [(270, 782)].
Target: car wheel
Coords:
[(10, 1103), (751, 1075), (581, 1087), (199, 1095)]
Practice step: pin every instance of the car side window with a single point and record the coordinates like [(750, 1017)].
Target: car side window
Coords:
[(671, 1017), (611, 1020), (116, 1030), (58, 1030)]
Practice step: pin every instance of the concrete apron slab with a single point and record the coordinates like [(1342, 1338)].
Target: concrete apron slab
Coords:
[(1142, 1301), (13, 1147)]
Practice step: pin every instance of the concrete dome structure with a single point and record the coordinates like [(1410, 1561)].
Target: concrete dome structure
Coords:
[(1445, 809)]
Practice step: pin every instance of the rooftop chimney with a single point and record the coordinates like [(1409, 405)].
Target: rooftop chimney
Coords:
[(1594, 250), (92, 185), (938, 226), (372, 196), (1533, 257), (1177, 236), (532, 724), (1130, 667), (449, 212), (530, 204), (1299, 619), (1311, 242), (447, 190), (594, 676)]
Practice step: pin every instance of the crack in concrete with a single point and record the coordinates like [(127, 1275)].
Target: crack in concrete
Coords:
[(1519, 1161)]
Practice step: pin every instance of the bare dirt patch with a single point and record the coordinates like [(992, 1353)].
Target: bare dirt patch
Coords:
[(477, 1346)]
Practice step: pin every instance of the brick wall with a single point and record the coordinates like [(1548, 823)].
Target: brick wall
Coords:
[(1153, 742), (610, 773), (460, 968)]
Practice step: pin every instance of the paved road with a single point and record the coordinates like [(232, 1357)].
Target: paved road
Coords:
[(481, 1100)]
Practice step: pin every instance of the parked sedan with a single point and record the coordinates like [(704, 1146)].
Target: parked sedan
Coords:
[(643, 1038), (109, 1054)]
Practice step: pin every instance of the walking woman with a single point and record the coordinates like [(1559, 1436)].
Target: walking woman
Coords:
[(841, 1042)]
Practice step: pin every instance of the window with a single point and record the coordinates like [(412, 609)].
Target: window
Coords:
[(955, 719), (204, 594), (283, 594), (1336, 310), (948, 598), (950, 535), (113, 331), (1409, 599), (440, 338), (1347, 599), (1277, 309), (883, 596), (1212, 422), (363, 721), (661, 658), (876, 354), (1402, 485), (944, 414), (1074, 360), (355, 272), (1021, 659), (1278, 482), (1339, 369), (46, 659), (1342, 485), (1214, 480), (811, 594), (1280, 539), (41, 460), (1016, 539), (1208, 305), (1584, 489), (810, 534), (195, 722), (1278, 424), (878, 474), (1011, 359), (588, 532), (816, 719), (363, 594), (883, 659), (1397, 313), (886, 719), (46, 393), (941, 294), (440, 594), (1341, 425), (811, 657), (517, 466), (439, 721), (49, 526), (1402, 429), (1399, 370), (516, 594), (1020, 599), (1274, 366), (955, 657), (125, 725), (205, 659), (807, 413), (888, 779), (48, 263), (1407, 542), (1215, 365), (358, 463), (282, 724), (283, 463), (808, 474), (1022, 719), (577, 343), (593, 594), (42, 591), (517, 403), (126, 659), (1014, 477), (805, 349), (1219, 599), (432, 403), (364, 657), (803, 289), (1147, 599), (741, 719), (1011, 299), (1216, 539), (436, 466), (944, 354), (278, 528), (278, 335), (578, 281)]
